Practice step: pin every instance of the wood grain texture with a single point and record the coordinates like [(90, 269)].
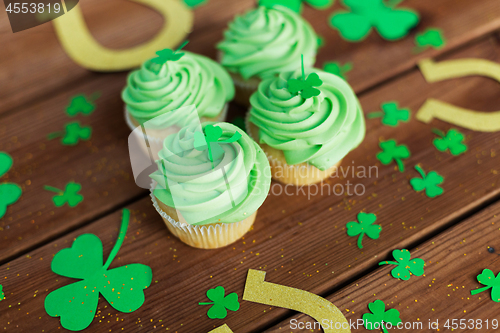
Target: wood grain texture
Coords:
[(453, 260), (120, 24), (300, 241)]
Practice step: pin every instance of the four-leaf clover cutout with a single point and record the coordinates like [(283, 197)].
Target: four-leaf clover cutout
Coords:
[(391, 24), (305, 86), (337, 69), (220, 303), (69, 195), (431, 37), (453, 140), (72, 134), (81, 104), (365, 226), (9, 192), (391, 114), (428, 182), (405, 265), (122, 287), (378, 317), (296, 5), (392, 152), (488, 279), (210, 141)]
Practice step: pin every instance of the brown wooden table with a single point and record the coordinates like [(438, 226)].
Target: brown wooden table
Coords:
[(299, 241)]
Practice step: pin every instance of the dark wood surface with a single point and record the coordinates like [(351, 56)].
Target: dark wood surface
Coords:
[(299, 241)]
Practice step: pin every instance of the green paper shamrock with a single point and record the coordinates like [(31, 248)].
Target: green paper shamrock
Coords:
[(305, 86), (488, 279), (80, 104), (210, 140), (453, 140), (390, 23), (365, 226), (195, 3), (431, 37), (72, 134), (296, 5), (391, 114), (9, 192), (220, 303), (337, 69), (391, 151), (167, 55), (428, 182), (378, 317), (69, 195), (2, 295), (122, 287), (405, 265)]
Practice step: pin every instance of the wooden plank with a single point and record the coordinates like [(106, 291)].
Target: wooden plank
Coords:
[(453, 260), (299, 241), (26, 78)]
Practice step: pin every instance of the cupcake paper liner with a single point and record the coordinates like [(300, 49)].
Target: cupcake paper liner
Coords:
[(209, 236)]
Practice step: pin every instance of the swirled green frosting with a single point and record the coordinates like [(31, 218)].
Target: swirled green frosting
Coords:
[(267, 41), (319, 130), (229, 191), (191, 80)]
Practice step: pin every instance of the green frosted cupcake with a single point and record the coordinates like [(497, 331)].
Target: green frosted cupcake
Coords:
[(262, 43), (305, 134), (209, 199), (158, 89)]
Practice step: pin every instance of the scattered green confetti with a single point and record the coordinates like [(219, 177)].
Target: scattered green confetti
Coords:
[(453, 140), (392, 152), (9, 192), (168, 55), (365, 226), (69, 195), (356, 25), (122, 287), (337, 69), (428, 182), (81, 104), (405, 265), (72, 134), (431, 37), (296, 5), (391, 115), (488, 279), (378, 317), (2, 295), (210, 140), (303, 86), (195, 3), (220, 303), (240, 122)]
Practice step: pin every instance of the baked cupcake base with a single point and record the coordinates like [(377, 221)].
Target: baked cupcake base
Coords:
[(244, 88), (299, 174), (208, 236)]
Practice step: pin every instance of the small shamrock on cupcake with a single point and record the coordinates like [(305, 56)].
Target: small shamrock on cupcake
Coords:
[(167, 55), (365, 226), (303, 86), (296, 5), (210, 141)]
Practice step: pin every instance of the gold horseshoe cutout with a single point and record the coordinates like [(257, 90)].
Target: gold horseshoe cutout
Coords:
[(323, 311), (222, 329), (432, 108), (79, 44)]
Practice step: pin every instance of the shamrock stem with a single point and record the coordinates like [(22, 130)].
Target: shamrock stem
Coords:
[(303, 72), (53, 189), (388, 263), (372, 115), (54, 135), (206, 303), (420, 171), (384, 329), (182, 46), (360, 238), (438, 132), (477, 291), (121, 238), (400, 164)]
